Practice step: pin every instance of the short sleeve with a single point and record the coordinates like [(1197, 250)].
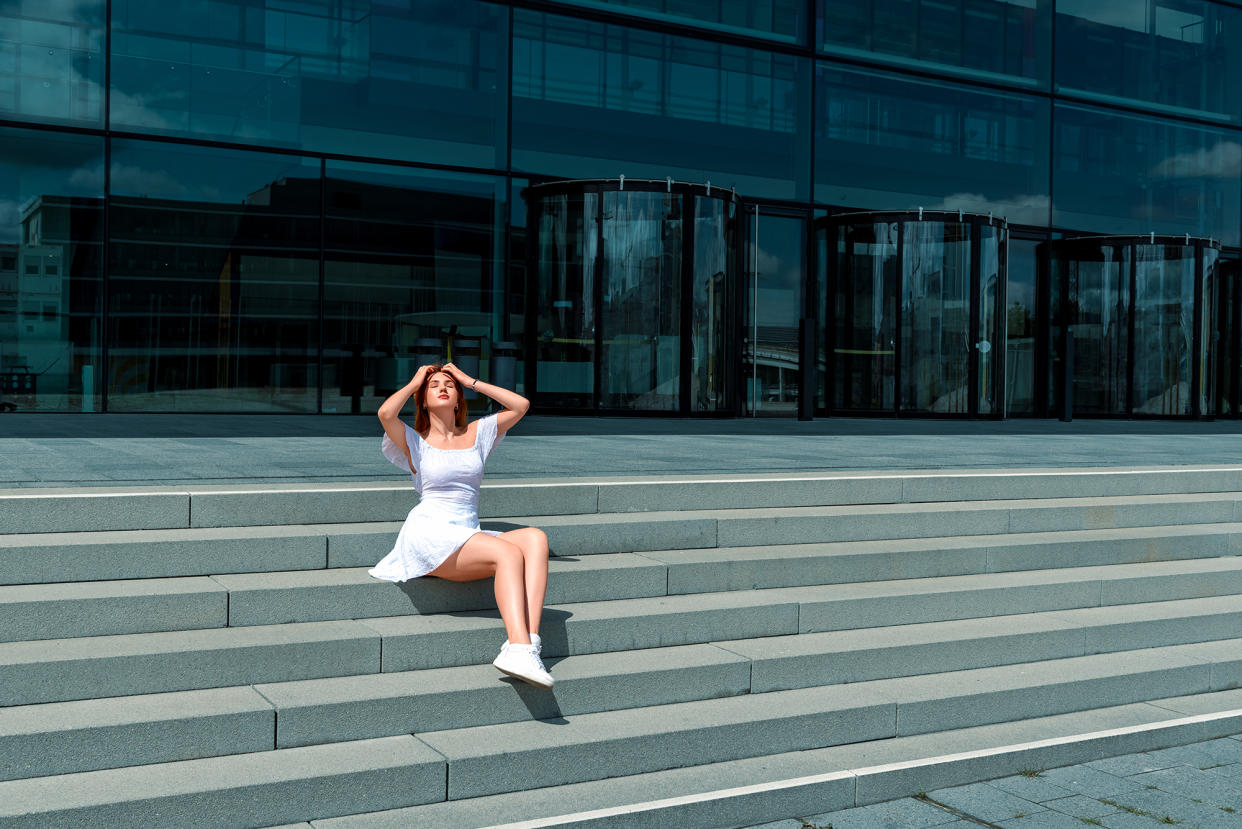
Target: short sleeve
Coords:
[(489, 434), (393, 452)]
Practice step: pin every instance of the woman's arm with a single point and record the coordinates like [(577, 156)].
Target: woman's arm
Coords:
[(390, 411), (515, 405)]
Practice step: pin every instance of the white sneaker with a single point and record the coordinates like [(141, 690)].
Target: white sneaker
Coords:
[(534, 640), (523, 662)]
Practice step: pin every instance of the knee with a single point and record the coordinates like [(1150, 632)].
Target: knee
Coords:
[(508, 555), (535, 542)]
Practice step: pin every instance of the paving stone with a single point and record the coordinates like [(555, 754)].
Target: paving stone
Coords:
[(1043, 820), (1129, 764), (1183, 809), (1125, 820), (1034, 789), (907, 813), (1089, 781), (791, 823), (1193, 783), (986, 802), (1230, 770), (1198, 755), (1080, 805)]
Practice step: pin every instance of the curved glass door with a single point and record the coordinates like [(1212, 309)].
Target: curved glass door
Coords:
[(1142, 312), (633, 296), (865, 330), (935, 318), (916, 309)]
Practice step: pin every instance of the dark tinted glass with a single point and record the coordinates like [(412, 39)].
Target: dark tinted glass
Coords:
[(1006, 40), (1181, 56), (421, 82), (51, 61), (214, 280), (1117, 173), (887, 143), (776, 19), (1022, 318), (51, 230), (591, 100), (409, 254)]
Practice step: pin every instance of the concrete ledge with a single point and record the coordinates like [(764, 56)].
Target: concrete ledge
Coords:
[(647, 739), (315, 595), (60, 611), (331, 710), (247, 789), (132, 554), (324, 505), (72, 510), (64, 737), (146, 663)]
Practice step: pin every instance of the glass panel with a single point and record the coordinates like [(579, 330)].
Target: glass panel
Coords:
[(1164, 314), (641, 307), (1122, 174), (713, 273), (865, 297), (592, 100), (1228, 366), (567, 254), (935, 318), (422, 81), (51, 305), (214, 280), (774, 302), (1179, 56), (409, 255), (884, 142), (1022, 318), (1098, 313), (1208, 340), (775, 19), (52, 62), (994, 40), (992, 252)]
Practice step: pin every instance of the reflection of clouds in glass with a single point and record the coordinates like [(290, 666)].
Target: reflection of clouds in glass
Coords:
[(1221, 161), (1024, 208), (160, 184), (10, 221), (89, 179), (79, 11)]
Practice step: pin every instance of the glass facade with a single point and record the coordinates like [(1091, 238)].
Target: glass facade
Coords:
[(285, 205)]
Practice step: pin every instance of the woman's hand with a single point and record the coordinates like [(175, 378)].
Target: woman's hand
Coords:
[(419, 377), (460, 376)]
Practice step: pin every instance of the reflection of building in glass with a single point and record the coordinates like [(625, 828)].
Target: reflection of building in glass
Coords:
[(287, 206)]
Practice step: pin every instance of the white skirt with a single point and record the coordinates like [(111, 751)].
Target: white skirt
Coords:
[(431, 533)]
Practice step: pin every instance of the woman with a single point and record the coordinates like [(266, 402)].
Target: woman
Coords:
[(441, 535)]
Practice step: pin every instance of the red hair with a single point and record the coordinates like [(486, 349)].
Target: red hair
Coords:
[(422, 420)]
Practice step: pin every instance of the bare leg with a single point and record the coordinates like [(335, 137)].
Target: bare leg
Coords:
[(533, 543), (482, 556)]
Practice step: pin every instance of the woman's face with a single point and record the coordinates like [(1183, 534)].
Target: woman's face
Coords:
[(441, 392)]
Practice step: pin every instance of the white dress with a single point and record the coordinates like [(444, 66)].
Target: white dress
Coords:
[(447, 513)]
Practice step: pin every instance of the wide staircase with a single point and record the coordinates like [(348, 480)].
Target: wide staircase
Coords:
[(727, 649)]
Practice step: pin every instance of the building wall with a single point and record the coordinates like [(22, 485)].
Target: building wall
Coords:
[(257, 205)]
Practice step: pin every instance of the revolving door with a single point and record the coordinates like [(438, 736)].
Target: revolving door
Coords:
[(915, 313), (1134, 326), (632, 287)]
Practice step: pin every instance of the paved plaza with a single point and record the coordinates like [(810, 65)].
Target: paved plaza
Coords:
[(1196, 786), (130, 449)]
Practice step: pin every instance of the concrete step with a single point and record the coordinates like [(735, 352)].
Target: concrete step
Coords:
[(111, 555), (417, 642), (492, 759), (85, 735), (25, 510), (67, 610), (760, 789), (257, 789), (147, 663), (88, 667), (141, 605)]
